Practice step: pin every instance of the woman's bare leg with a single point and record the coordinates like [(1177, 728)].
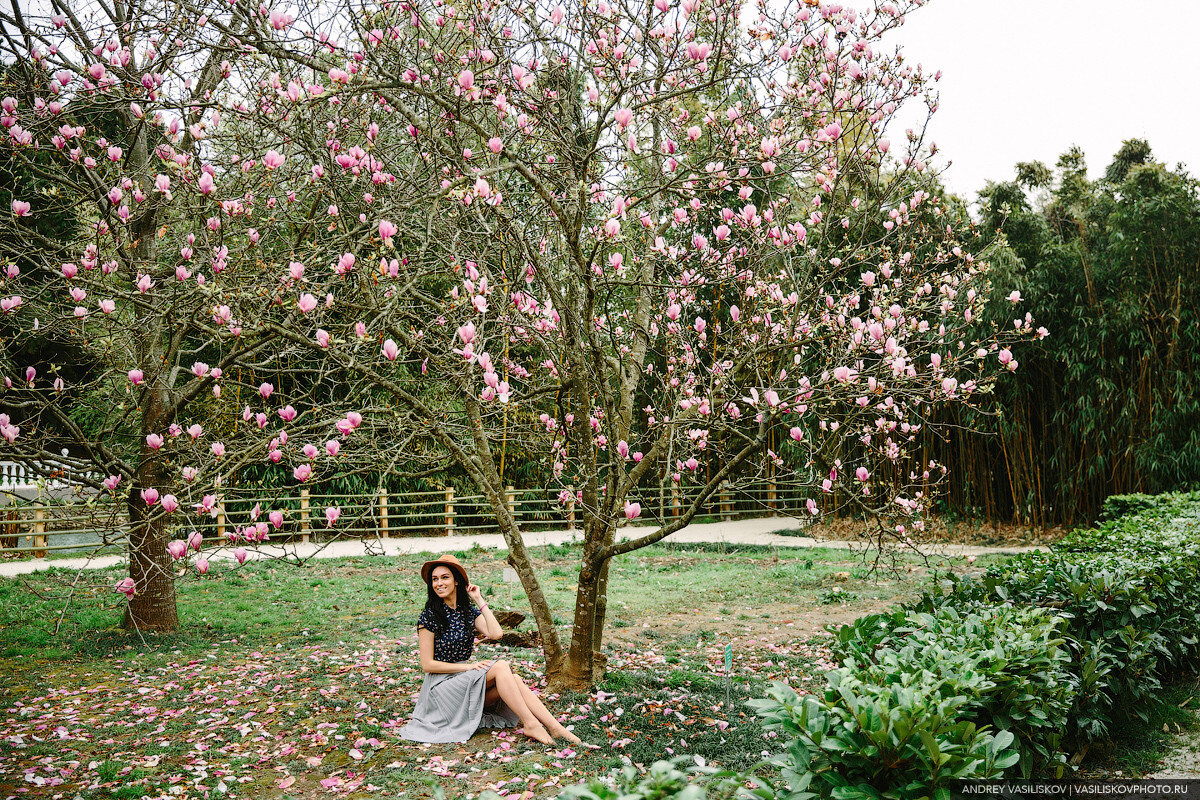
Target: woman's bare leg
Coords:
[(540, 711), (508, 686)]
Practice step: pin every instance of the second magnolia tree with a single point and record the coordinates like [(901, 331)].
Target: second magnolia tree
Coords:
[(665, 247)]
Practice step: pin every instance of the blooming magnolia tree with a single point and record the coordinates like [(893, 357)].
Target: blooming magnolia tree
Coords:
[(663, 244), (117, 343)]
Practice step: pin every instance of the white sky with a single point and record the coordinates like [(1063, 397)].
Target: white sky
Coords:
[(1026, 79)]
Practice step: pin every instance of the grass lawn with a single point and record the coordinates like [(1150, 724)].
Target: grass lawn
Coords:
[(288, 681)]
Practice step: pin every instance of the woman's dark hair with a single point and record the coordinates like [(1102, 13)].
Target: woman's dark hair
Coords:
[(437, 606)]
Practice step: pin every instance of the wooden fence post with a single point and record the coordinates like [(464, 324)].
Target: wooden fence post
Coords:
[(383, 513), (571, 509), (304, 514), (221, 522), (449, 510), (674, 499), (39, 530), (510, 497), (726, 503), (771, 498)]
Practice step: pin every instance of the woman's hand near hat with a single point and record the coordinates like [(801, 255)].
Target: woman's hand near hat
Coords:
[(476, 595)]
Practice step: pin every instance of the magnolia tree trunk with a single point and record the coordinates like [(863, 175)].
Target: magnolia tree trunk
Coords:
[(152, 606)]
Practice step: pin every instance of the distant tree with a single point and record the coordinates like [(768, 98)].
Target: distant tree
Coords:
[(126, 286), (1103, 405)]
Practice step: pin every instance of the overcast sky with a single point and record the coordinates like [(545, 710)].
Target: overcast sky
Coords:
[(1026, 79)]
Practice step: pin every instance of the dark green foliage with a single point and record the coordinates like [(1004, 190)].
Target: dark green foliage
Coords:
[(1106, 403), (907, 738), (1128, 595), (1010, 664)]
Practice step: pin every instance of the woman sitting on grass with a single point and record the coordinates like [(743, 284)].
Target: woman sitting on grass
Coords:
[(459, 696)]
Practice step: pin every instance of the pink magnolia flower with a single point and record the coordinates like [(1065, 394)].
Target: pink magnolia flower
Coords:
[(623, 449), (495, 144), (632, 510), (20, 208), (194, 430), (390, 350), (623, 116), (272, 160), (307, 302), (332, 447), (281, 20), (169, 503), (302, 472), (240, 554), (354, 418), (331, 515), (195, 540), (154, 441), (150, 496), (796, 434), (111, 482), (386, 231), (265, 390), (218, 449), (287, 413), (177, 548), (127, 587), (467, 333), (276, 518), (202, 565)]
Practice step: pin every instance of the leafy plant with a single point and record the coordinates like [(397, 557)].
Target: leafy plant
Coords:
[(906, 739)]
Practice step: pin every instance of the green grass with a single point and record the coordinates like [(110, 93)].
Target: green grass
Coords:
[(265, 601), (313, 622)]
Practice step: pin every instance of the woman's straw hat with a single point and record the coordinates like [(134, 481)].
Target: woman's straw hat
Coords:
[(445, 561)]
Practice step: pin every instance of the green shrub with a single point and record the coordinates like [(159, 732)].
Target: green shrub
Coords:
[(680, 779), (1012, 665), (1128, 593), (905, 739)]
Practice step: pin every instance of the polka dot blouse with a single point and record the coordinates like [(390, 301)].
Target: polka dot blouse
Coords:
[(457, 641)]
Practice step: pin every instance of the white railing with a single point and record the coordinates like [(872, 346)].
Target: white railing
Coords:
[(13, 476)]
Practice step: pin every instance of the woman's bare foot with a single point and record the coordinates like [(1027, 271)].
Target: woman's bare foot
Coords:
[(538, 732), (559, 732)]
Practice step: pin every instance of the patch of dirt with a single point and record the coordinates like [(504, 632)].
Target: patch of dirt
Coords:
[(939, 529), (1184, 758)]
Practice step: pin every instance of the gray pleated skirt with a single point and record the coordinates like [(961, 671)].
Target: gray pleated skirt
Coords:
[(450, 709)]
